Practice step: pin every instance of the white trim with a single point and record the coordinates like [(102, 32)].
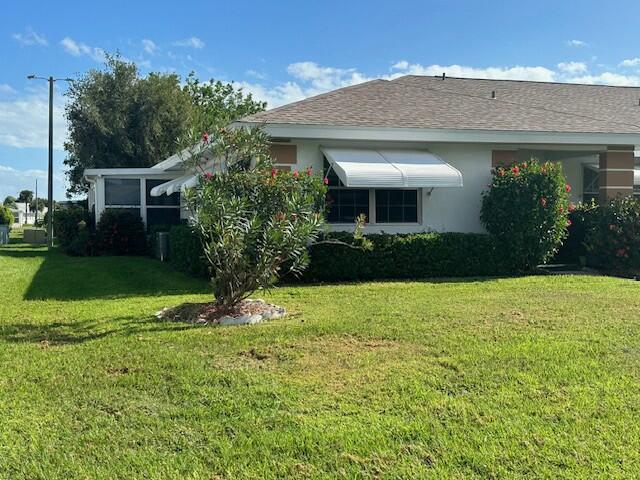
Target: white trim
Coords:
[(336, 132), (611, 187), (616, 169)]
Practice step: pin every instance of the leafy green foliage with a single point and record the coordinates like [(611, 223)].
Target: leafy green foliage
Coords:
[(419, 255), (9, 201), (582, 218), (6, 217), (525, 209), (217, 104), (615, 236), (38, 203), (253, 219), (121, 232), (68, 222), (186, 252), (118, 119)]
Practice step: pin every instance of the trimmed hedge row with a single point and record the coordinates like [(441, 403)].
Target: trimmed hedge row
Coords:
[(405, 256), (392, 256)]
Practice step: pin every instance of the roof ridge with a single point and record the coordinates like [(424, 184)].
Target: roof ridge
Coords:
[(580, 115), (542, 82), (315, 97)]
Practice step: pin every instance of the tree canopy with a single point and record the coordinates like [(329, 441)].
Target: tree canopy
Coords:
[(25, 196), (118, 118), (9, 201)]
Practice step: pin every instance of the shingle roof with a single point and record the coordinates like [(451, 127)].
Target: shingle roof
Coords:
[(462, 103)]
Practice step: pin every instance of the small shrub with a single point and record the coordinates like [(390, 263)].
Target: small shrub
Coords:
[(615, 237), (525, 210), (121, 232), (391, 256), (68, 222), (6, 217), (186, 252), (83, 244)]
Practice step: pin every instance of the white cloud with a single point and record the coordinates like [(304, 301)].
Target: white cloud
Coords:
[(576, 43), (4, 88), (572, 67), (12, 181), (24, 122), (541, 74), (30, 38), (607, 78), (149, 46), (78, 49), (192, 42), (630, 62)]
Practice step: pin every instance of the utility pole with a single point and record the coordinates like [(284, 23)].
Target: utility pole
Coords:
[(51, 81), (36, 221)]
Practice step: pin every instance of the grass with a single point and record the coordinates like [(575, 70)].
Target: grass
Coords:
[(532, 377)]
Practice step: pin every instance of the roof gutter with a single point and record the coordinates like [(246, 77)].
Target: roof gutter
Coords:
[(337, 132)]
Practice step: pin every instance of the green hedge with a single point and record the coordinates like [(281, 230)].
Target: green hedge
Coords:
[(185, 251), (406, 256)]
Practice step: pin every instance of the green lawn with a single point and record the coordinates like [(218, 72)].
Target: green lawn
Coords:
[(534, 377)]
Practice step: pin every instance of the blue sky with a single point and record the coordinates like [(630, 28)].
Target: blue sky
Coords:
[(286, 50)]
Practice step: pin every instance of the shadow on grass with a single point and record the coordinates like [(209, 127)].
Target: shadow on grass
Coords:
[(69, 333), (61, 277)]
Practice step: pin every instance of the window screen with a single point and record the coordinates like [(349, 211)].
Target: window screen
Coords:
[(122, 191)]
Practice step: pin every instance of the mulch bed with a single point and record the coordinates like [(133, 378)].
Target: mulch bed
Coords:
[(210, 313)]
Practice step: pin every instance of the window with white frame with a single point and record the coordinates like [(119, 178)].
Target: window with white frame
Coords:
[(122, 193), (164, 209), (378, 205)]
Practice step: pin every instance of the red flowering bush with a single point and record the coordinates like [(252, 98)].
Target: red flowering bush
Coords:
[(255, 221), (615, 238), (525, 210), (121, 232)]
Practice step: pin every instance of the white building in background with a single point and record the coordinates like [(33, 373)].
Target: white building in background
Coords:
[(23, 215)]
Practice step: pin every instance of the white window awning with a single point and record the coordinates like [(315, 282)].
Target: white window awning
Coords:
[(391, 168), (179, 184)]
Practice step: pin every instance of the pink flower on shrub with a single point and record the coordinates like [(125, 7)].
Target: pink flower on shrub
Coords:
[(208, 176), (621, 252), (515, 170), (561, 209), (205, 137), (501, 172), (572, 207), (274, 172), (524, 165), (296, 174), (569, 222), (309, 171), (326, 181), (567, 188), (543, 201)]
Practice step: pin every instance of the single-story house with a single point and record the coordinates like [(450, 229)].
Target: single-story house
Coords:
[(415, 153)]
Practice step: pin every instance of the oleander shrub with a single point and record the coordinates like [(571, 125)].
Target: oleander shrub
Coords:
[(121, 232), (615, 237), (185, 251), (525, 210), (403, 256), (6, 217), (253, 220)]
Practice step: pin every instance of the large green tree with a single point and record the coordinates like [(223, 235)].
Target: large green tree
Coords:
[(9, 201), (118, 118)]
